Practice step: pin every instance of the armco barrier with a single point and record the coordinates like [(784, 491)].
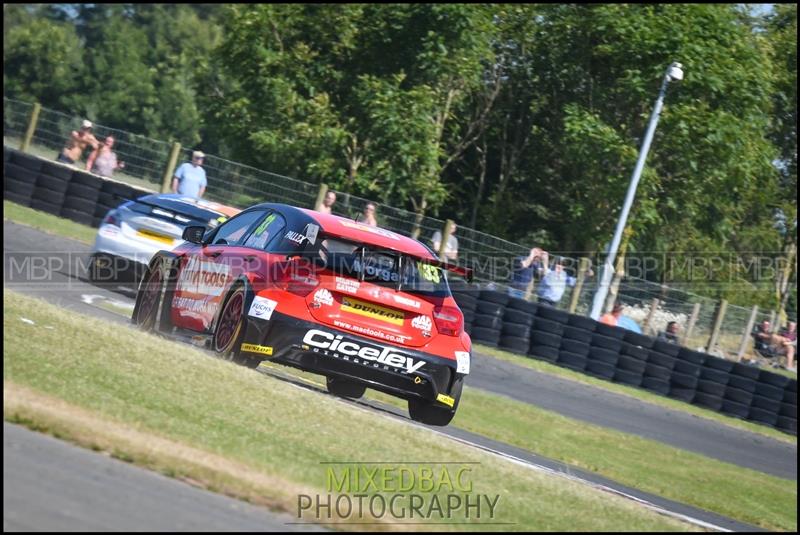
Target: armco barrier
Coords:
[(492, 318), (622, 356), (60, 189)]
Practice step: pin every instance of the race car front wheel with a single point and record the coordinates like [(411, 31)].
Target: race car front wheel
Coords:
[(432, 413), (230, 329), (149, 295), (345, 389)]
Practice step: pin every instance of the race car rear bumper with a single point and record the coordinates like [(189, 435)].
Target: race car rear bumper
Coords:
[(321, 349)]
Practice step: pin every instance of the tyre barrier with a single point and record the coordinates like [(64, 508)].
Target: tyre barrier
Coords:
[(62, 190), (614, 354), (492, 318)]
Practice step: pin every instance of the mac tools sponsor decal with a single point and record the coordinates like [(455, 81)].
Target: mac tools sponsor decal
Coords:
[(262, 308), (204, 278), (347, 350), (323, 297), (423, 323)]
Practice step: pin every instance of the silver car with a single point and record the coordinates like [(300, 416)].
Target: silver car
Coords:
[(134, 231)]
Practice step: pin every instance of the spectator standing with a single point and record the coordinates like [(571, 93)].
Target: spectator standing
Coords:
[(611, 318), (190, 178), (555, 281), (77, 143), (671, 333), (524, 269), (368, 217), (451, 248), (327, 203), (103, 160)]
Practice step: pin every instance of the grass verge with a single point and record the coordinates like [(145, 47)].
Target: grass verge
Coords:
[(637, 393), (48, 223), (121, 380), (746, 495), (69, 229)]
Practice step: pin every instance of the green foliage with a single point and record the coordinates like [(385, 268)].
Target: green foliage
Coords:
[(527, 119)]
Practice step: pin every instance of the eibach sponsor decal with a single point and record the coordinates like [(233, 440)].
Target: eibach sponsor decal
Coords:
[(389, 337), (203, 278), (376, 356), (403, 300), (370, 310)]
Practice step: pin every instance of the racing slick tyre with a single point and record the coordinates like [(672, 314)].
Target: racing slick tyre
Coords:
[(344, 388), (148, 298), (429, 413), (230, 329)]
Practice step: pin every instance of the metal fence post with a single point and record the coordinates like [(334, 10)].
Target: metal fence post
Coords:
[(26, 141), (712, 340), (323, 190), (169, 172), (746, 335), (772, 327), (653, 307), (583, 267), (692, 322)]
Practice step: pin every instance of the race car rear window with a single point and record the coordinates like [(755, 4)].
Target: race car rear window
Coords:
[(385, 268), (175, 212)]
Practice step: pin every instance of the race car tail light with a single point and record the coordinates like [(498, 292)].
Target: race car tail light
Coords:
[(111, 219), (297, 281), (448, 320)]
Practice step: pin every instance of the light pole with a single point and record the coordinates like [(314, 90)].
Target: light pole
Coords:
[(674, 72)]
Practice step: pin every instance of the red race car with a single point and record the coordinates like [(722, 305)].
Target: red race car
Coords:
[(363, 306)]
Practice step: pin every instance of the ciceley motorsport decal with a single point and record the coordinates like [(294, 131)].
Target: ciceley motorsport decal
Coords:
[(321, 340)]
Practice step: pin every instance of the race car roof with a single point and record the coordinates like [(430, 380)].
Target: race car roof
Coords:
[(342, 227)]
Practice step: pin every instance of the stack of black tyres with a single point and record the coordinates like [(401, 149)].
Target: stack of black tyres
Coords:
[(572, 351), (787, 416), (713, 383), (768, 395), (466, 301), (51, 187), (604, 352), (488, 320), (19, 176), (658, 371), (546, 333), (632, 360), (83, 193), (577, 338), (740, 389), (518, 319), (685, 371)]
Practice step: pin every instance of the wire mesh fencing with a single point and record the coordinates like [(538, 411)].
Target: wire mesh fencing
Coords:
[(146, 163)]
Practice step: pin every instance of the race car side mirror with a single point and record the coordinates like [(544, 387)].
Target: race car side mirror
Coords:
[(194, 234)]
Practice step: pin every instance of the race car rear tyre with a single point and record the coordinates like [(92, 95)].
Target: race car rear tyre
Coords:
[(430, 413), (230, 329), (344, 388)]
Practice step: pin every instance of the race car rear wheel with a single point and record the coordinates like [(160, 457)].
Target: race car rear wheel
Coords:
[(150, 295), (432, 413), (230, 329), (344, 388)]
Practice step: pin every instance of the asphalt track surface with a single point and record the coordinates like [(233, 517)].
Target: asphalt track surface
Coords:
[(51, 485), (59, 279)]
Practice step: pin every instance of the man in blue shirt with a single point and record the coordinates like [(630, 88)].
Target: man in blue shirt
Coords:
[(553, 284), (190, 178)]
